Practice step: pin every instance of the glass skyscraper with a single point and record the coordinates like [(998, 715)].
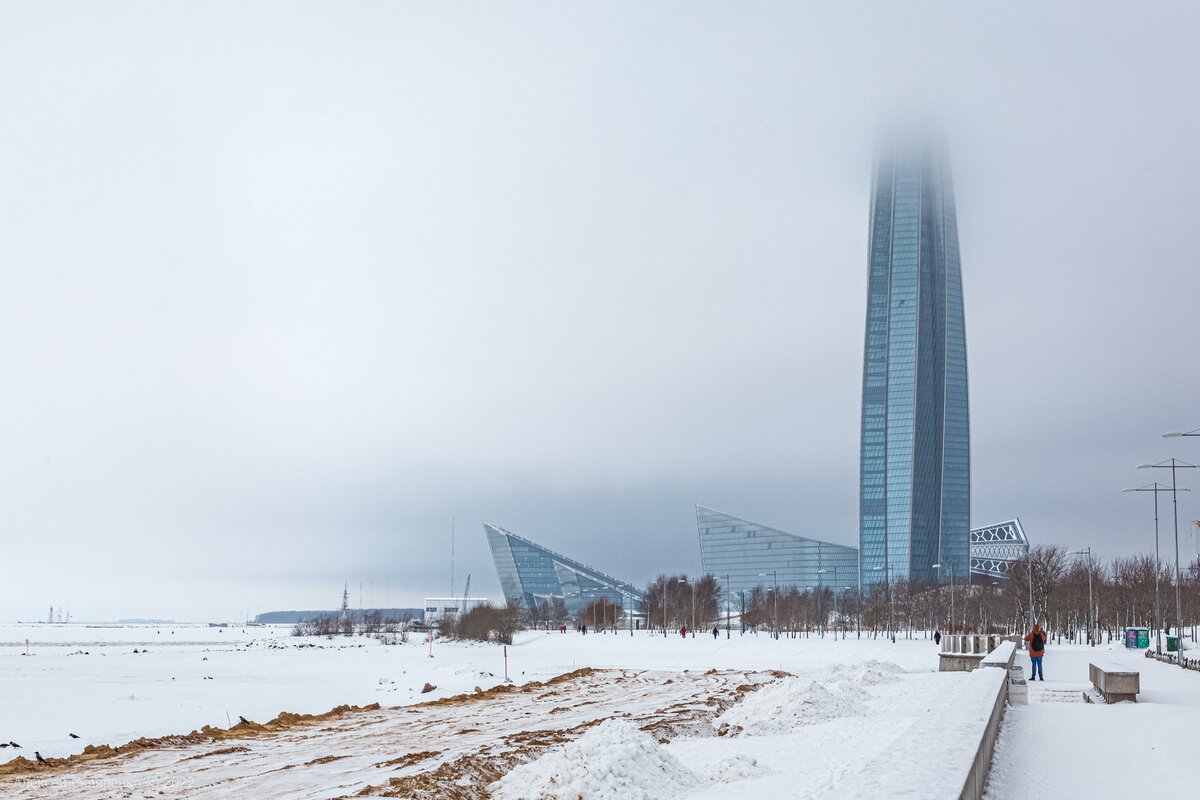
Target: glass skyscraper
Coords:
[(915, 470)]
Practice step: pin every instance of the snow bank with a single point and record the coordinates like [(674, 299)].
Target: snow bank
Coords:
[(614, 761), (780, 707), (866, 673)]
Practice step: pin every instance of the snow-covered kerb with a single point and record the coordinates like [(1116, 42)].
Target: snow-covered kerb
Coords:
[(947, 752)]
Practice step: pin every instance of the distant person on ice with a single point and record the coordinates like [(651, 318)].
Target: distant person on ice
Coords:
[(1037, 650)]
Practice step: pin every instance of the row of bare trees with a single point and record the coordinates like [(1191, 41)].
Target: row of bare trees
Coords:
[(1073, 595), (672, 602), (1076, 595)]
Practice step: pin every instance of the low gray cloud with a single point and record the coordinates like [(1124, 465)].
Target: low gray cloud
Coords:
[(290, 286)]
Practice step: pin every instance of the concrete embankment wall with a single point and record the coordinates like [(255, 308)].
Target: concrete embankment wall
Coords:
[(946, 754)]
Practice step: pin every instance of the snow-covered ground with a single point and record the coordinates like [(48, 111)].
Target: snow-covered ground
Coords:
[(744, 716), (1059, 746)]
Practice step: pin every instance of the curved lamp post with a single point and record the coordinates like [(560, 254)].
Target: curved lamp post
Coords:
[(1174, 464), (1156, 488)]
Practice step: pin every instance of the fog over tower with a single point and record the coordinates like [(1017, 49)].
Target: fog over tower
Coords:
[(915, 456)]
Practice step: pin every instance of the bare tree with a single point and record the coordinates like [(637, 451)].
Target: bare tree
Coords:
[(602, 613)]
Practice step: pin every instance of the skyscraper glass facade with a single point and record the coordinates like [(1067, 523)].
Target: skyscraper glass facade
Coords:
[(537, 576), (915, 476), (741, 555)]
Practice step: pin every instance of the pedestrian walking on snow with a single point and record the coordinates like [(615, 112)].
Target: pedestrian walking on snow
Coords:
[(937, 637), (683, 631), (715, 633), (1037, 650)]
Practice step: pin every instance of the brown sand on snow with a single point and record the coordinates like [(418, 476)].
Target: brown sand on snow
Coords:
[(456, 746), (243, 730)]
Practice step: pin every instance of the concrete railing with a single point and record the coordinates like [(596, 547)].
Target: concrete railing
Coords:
[(1002, 657), (963, 652), (947, 753)]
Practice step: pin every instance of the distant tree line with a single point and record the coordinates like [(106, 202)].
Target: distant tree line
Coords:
[(1053, 579), (374, 622)]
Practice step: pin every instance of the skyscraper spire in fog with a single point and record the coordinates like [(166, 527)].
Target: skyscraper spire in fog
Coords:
[(915, 466)]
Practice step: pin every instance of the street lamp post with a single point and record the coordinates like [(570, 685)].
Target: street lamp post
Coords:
[(887, 580), (693, 609), (775, 581), (1172, 435), (728, 602), (685, 580), (821, 591), (844, 631), (1029, 564), (666, 588), (938, 567), (1087, 551), (1174, 464), (858, 609), (1156, 488)]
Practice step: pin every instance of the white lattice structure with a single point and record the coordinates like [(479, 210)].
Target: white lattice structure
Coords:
[(995, 547)]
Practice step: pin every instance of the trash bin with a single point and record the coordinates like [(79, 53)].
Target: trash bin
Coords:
[(1137, 637), (1172, 644)]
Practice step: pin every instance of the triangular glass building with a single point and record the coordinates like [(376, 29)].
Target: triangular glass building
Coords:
[(915, 477), (742, 555), (537, 576)]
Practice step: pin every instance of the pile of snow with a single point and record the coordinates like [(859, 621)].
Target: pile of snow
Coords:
[(613, 761), (738, 768), (866, 673), (782, 706)]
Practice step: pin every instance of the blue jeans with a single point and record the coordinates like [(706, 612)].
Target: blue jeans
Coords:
[(1035, 667)]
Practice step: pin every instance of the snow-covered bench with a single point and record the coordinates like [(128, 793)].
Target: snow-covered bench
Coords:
[(1115, 682)]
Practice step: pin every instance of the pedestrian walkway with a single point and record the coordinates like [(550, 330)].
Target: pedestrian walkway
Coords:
[(1058, 745)]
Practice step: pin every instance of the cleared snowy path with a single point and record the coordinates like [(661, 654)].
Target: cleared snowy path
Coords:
[(1060, 746)]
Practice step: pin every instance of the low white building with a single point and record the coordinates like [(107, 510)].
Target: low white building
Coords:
[(438, 608)]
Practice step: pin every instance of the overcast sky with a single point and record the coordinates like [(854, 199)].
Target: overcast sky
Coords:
[(288, 287)]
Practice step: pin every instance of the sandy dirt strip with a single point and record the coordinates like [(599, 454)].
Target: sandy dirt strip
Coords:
[(450, 748)]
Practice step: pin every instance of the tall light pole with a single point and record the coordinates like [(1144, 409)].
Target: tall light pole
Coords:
[(628, 612), (1156, 488), (685, 580), (887, 579), (858, 610), (1172, 435), (1174, 464), (693, 609), (728, 602), (666, 588), (844, 590), (1087, 551), (821, 591), (775, 580), (1029, 564), (938, 567)]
